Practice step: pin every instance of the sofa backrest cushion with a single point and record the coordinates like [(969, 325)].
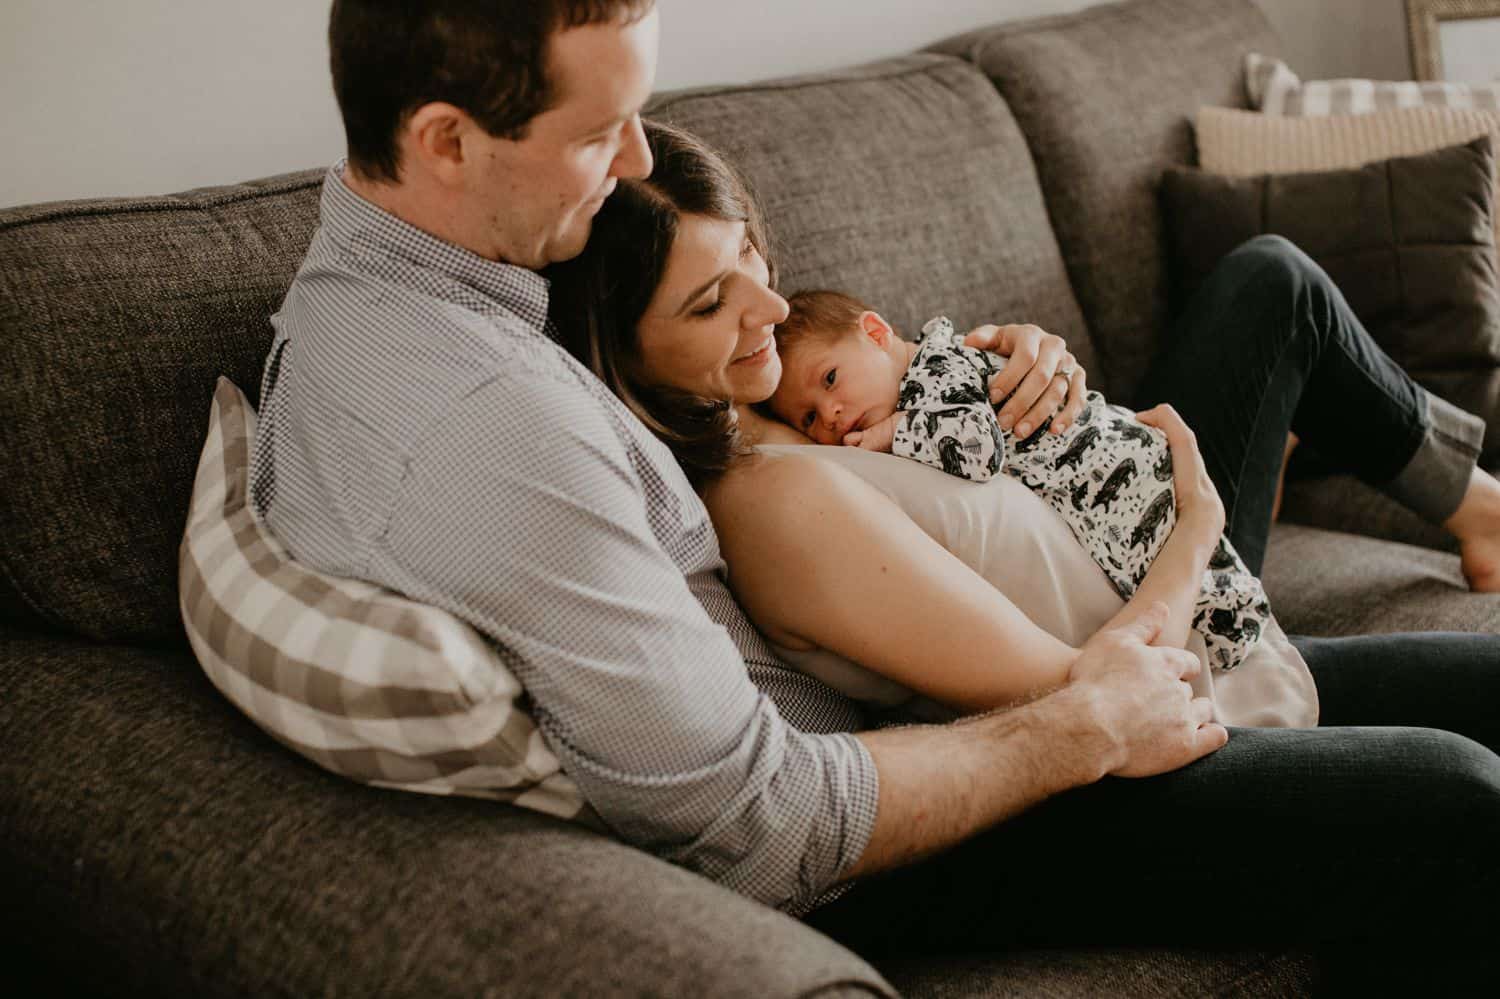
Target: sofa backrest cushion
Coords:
[(1106, 98), (116, 318), (904, 182)]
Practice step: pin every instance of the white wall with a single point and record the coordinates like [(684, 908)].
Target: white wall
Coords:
[(119, 97)]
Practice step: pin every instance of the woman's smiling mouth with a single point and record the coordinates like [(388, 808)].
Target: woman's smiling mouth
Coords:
[(759, 354)]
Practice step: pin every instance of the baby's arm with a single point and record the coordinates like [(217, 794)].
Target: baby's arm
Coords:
[(961, 439), (877, 436)]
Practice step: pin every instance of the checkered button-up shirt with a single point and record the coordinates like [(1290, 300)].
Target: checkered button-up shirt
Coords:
[(421, 430)]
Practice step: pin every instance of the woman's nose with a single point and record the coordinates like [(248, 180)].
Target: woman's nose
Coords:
[(771, 310)]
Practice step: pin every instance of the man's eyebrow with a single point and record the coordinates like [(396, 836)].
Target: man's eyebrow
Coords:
[(700, 290)]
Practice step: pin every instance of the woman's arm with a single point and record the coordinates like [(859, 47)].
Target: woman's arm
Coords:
[(818, 557), (1176, 577)]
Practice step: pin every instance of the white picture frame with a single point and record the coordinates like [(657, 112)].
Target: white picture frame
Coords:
[(1454, 40)]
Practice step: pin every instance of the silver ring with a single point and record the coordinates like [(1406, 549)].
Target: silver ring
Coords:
[(1066, 373)]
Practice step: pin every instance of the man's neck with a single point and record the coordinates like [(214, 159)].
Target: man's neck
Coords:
[(413, 207)]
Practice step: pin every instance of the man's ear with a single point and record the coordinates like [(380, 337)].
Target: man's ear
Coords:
[(876, 328), (432, 140)]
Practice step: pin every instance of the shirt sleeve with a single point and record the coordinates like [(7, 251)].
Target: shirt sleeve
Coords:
[(525, 515)]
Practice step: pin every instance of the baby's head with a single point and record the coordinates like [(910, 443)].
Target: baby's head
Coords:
[(841, 366)]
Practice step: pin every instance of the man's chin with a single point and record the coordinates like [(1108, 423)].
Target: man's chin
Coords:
[(569, 244)]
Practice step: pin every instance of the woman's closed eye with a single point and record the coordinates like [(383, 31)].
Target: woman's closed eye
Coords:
[(714, 306)]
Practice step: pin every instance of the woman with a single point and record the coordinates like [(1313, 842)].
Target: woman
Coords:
[(674, 306), (673, 309)]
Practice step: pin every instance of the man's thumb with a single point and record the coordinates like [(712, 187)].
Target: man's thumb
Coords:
[(1148, 623)]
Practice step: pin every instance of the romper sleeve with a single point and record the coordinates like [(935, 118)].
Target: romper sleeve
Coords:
[(947, 420)]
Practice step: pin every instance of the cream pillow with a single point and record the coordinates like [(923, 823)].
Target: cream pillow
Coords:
[(357, 679), (1274, 89), (1246, 144)]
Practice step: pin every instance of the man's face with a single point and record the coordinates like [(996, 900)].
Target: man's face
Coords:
[(541, 192)]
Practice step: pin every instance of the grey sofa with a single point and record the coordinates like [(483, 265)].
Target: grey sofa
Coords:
[(156, 842)]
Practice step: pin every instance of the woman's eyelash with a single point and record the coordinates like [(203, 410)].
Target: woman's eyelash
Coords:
[(711, 308), (747, 249)]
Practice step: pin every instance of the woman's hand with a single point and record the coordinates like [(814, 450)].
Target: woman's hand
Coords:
[(1042, 378), (1198, 504)]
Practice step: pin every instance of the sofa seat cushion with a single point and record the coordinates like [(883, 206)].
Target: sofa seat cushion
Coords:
[(1091, 973), (905, 183), (1105, 98), (360, 680), (150, 826), (115, 319), (1330, 583)]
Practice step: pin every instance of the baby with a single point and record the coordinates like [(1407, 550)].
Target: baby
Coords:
[(848, 378)]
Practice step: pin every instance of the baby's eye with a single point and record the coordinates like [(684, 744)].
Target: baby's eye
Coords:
[(807, 421), (829, 378)]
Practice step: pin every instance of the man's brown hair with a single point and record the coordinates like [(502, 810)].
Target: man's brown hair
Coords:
[(817, 316), (487, 57)]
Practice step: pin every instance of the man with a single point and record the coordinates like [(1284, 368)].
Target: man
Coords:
[(421, 429)]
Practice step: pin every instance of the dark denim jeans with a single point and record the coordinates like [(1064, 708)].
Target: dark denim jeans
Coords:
[(1375, 846)]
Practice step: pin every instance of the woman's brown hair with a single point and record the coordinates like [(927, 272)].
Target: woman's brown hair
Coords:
[(599, 297)]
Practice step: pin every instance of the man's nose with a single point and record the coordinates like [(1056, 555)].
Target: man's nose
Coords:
[(634, 158)]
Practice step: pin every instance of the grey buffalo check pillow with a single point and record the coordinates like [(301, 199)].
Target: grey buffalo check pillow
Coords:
[(1275, 90), (357, 679)]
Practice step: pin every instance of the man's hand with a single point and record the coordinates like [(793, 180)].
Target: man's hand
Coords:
[(1141, 701), (875, 437), (1042, 378)]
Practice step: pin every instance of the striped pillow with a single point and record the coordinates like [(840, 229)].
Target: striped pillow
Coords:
[(355, 678), (1274, 89)]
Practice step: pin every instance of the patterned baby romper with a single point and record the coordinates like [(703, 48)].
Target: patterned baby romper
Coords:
[(1109, 476)]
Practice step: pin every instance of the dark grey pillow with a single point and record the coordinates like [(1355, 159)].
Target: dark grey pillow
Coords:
[(1409, 241)]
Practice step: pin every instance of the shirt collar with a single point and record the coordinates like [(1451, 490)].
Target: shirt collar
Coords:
[(358, 224)]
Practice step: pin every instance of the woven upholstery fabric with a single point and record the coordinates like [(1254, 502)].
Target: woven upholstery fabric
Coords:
[(1275, 90), (115, 319), (1091, 973), (903, 182), (153, 830), (1105, 98), (1344, 503), (358, 679), (1333, 583), (1410, 242)]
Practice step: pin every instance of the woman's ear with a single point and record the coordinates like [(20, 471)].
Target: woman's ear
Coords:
[(876, 328)]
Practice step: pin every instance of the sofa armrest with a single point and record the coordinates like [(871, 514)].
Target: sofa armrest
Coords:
[(149, 825)]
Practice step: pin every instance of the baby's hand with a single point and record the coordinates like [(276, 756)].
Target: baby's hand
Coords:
[(875, 437)]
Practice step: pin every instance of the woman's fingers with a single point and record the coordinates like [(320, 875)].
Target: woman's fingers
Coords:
[(1021, 345), (1077, 396), (1026, 409), (1041, 381)]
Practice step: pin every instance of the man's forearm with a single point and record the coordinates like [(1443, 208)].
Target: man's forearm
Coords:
[(942, 784)]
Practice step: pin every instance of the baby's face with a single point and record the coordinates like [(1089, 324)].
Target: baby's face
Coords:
[(828, 389)]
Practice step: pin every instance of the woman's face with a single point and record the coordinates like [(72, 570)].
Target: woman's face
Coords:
[(708, 329)]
